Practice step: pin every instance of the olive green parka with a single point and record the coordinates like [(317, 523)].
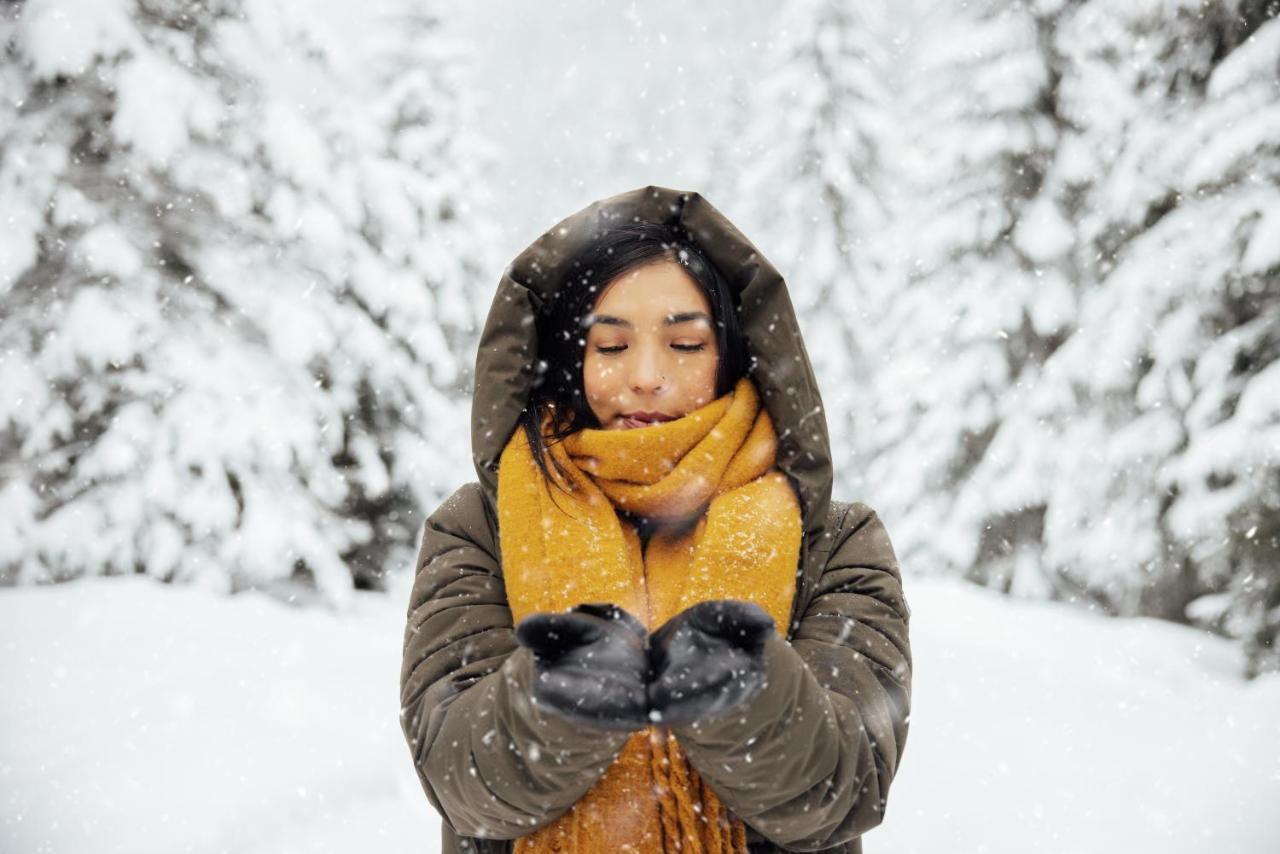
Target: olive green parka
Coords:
[(808, 762)]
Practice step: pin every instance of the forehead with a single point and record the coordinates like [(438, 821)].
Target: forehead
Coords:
[(651, 293)]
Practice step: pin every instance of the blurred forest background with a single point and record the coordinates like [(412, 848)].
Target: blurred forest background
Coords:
[(1035, 247)]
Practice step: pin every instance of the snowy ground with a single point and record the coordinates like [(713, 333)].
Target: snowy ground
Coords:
[(143, 718)]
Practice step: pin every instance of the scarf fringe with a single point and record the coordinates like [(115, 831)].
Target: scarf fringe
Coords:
[(694, 819)]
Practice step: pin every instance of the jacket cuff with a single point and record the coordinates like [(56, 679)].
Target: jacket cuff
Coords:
[(727, 738)]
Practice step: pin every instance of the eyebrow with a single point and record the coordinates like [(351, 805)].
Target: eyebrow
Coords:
[(670, 320)]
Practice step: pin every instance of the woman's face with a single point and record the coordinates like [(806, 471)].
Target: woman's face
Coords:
[(651, 347)]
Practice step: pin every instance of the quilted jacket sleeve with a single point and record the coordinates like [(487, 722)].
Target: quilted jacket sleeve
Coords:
[(809, 762), (492, 764)]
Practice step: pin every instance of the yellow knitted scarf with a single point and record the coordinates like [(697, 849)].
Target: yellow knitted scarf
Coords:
[(729, 528)]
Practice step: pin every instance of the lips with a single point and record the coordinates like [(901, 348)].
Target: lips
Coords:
[(645, 419)]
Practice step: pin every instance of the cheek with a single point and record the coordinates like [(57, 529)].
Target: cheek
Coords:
[(709, 379), (598, 378), (702, 379)]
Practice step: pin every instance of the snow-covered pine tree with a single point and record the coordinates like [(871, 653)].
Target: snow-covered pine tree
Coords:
[(426, 229), (1156, 428), (227, 299), (814, 132), (976, 308)]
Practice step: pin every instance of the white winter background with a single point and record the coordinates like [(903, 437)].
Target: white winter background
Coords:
[(1034, 247)]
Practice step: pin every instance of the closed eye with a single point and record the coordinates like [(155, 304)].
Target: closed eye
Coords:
[(683, 348)]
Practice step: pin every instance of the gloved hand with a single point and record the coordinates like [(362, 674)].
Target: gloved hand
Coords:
[(707, 659), (590, 664)]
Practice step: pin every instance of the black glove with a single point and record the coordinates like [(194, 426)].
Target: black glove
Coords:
[(590, 665), (707, 659)]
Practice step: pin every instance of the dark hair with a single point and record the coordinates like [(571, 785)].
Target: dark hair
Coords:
[(562, 344)]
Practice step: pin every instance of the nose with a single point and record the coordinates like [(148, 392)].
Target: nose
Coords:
[(646, 371)]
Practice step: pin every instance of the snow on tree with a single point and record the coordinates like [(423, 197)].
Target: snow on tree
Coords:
[(1156, 427), (814, 198), (233, 282), (1080, 400), (976, 307)]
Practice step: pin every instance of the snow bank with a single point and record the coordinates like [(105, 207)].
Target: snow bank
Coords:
[(141, 717)]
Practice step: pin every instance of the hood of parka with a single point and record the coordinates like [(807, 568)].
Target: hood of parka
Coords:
[(778, 362)]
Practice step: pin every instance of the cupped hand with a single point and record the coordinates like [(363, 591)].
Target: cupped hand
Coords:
[(590, 664), (706, 660)]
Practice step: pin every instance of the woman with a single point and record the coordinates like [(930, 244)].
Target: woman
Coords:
[(647, 627)]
